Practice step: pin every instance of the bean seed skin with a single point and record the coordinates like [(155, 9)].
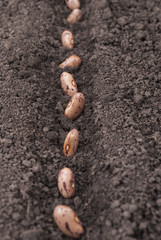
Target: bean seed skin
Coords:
[(75, 16), (73, 62), (75, 106), (68, 84), (73, 4), (67, 39), (66, 183), (67, 221), (71, 143)]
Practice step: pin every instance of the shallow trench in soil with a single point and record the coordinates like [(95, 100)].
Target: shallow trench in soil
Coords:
[(117, 166)]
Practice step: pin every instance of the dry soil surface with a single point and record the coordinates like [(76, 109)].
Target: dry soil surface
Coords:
[(118, 163)]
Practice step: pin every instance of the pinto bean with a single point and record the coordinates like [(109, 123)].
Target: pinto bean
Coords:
[(68, 84), (72, 4), (75, 16), (75, 106), (67, 221), (73, 62), (67, 39), (71, 143), (66, 183)]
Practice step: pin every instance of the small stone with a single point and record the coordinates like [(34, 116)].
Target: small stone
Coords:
[(132, 167), (102, 218), (57, 155), (132, 208), (126, 214), (45, 189), (139, 140), (36, 168), (147, 94), (25, 12), (143, 225), (130, 152), (139, 26), (45, 129), (122, 21), (122, 86), (107, 13), (26, 163), (115, 204), (150, 4), (108, 223)]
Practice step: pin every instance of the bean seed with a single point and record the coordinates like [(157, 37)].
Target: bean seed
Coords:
[(67, 221), (71, 143), (75, 16), (66, 183), (73, 4), (68, 84), (75, 106), (72, 62), (67, 39)]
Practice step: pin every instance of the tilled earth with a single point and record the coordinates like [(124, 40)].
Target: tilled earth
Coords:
[(118, 163)]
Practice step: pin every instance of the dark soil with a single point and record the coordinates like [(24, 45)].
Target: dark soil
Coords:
[(118, 163)]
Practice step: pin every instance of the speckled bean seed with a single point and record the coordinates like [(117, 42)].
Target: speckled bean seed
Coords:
[(67, 39), (71, 143), (75, 16), (67, 221), (73, 4), (75, 106), (73, 62), (66, 183), (68, 84)]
